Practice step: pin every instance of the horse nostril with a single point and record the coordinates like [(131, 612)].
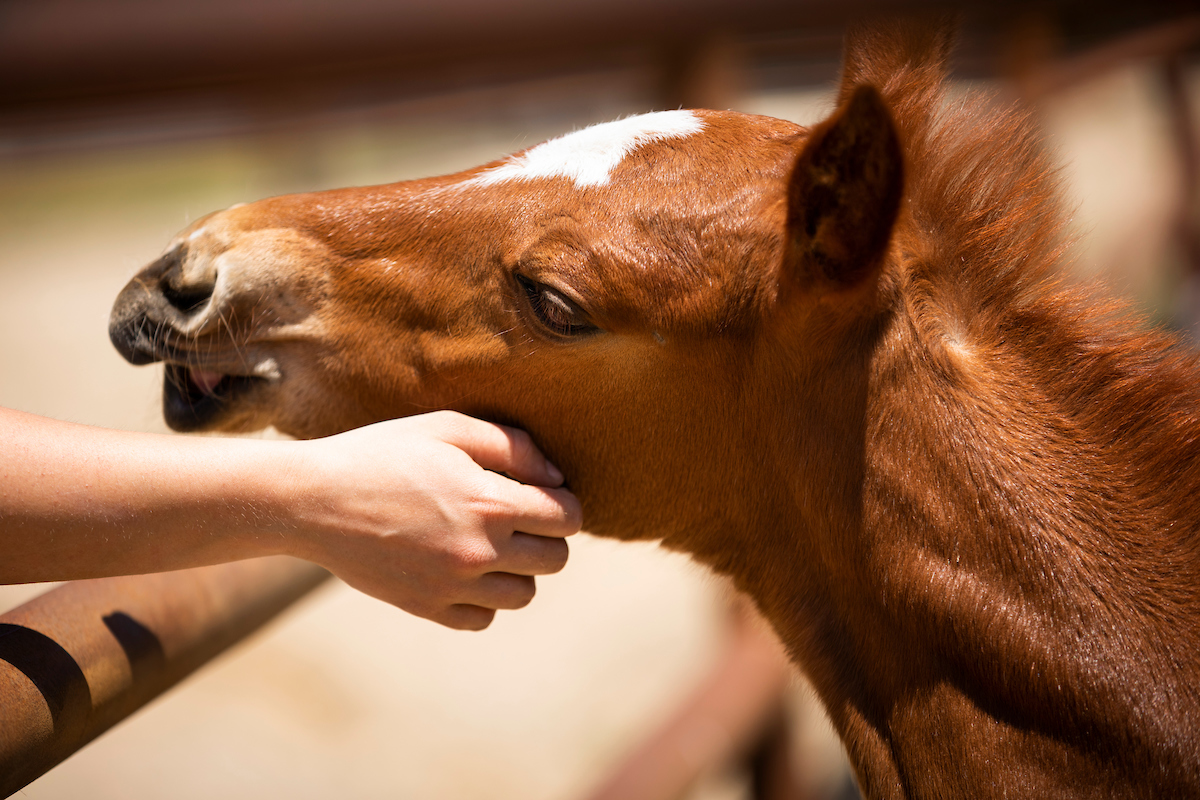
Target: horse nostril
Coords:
[(187, 299)]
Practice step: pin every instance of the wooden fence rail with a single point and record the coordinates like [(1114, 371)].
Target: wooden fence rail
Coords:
[(81, 658)]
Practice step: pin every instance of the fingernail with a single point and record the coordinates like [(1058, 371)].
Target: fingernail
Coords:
[(553, 472)]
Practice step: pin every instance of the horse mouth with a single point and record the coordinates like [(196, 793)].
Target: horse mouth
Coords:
[(195, 399)]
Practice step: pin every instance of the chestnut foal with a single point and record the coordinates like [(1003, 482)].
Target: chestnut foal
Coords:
[(831, 363)]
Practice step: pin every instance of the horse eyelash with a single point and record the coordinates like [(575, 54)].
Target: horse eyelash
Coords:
[(536, 294)]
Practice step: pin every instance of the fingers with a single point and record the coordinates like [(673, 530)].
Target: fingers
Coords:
[(524, 554), (464, 617), (468, 539), (502, 591), (530, 497), (508, 588), (491, 592), (545, 512), (517, 552), (533, 509), (465, 605), (499, 448)]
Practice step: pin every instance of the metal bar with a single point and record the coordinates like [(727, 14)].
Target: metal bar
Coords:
[(721, 720), (81, 658)]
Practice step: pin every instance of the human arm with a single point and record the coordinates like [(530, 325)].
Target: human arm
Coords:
[(406, 510)]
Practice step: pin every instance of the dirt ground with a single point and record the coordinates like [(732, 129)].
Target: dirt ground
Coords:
[(347, 697)]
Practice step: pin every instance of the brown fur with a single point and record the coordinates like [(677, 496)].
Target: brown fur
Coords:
[(966, 497)]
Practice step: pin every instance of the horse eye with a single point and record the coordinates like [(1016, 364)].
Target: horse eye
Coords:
[(554, 311)]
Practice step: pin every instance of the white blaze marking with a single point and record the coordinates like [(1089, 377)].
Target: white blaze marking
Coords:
[(589, 156)]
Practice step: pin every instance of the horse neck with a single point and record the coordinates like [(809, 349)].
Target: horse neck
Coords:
[(992, 550)]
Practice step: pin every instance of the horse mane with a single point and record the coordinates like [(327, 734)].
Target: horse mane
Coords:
[(982, 193), (1054, 435), (982, 255)]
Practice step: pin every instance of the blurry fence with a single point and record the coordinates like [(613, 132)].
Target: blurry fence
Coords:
[(70, 66)]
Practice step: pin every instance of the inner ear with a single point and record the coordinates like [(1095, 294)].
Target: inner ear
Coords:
[(845, 192)]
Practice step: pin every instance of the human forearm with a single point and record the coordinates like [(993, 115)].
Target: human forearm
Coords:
[(79, 502), (412, 511)]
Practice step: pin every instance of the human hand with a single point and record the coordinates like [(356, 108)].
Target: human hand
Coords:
[(414, 512)]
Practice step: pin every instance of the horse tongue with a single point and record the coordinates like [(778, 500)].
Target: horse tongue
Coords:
[(204, 381)]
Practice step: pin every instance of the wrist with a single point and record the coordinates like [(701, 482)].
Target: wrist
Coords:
[(260, 496), (291, 497)]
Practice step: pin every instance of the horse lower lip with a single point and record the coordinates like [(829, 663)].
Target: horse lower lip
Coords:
[(194, 400)]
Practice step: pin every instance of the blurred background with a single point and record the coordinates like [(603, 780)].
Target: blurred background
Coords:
[(122, 122)]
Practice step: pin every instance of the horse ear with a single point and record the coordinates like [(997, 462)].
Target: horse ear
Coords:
[(845, 193)]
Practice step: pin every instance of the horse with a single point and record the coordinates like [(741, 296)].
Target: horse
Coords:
[(837, 364)]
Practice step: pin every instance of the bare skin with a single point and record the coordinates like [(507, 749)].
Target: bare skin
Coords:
[(414, 511)]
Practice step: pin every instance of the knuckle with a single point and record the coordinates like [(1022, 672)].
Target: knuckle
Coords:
[(437, 419), (491, 496), (495, 504), (449, 423), (522, 444), (444, 416), (472, 558)]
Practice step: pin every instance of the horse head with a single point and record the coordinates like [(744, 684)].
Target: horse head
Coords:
[(610, 291)]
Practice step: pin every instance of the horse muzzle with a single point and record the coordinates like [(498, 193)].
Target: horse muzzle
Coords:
[(153, 320)]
